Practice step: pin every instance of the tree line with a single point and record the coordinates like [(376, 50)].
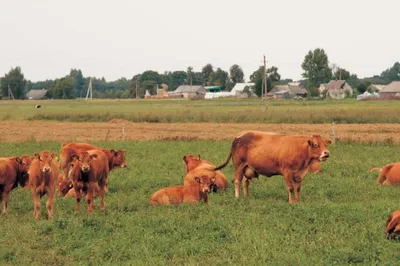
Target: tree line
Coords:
[(315, 65)]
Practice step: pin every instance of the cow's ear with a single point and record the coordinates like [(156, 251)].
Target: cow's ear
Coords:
[(197, 179), (309, 142), (185, 158), (198, 156), (74, 157), (212, 179), (93, 156), (328, 142), (36, 155), (114, 152), (54, 156), (18, 160)]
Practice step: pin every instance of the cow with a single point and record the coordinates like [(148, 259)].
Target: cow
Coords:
[(256, 153), (13, 172), (393, 225), (194, 165), (389, 174), (43, 176), (68, 149), (88, 168), (66, 189), (191, 193)]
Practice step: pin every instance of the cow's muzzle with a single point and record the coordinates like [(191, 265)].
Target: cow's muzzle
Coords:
[(46, 169), (85, 169), (324, 156)]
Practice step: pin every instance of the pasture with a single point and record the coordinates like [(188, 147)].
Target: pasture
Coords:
[(341, 219), (220, 110)]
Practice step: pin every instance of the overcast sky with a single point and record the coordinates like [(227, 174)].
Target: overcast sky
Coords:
[(121, 38)]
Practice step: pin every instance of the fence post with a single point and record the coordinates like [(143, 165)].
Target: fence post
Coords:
[(333, 133)]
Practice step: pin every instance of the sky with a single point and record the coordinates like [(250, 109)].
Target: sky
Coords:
[(122, 38)]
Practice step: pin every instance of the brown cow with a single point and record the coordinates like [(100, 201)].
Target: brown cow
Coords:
[(269, 154), (43, 176), (88, 168), (68, 149), (393, 224), (198, 167), (389, 174), (13, 171), (66, 189), (191, 193)]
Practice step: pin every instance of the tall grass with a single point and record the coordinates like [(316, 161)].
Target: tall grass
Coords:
[(232, 110), (340, 221)]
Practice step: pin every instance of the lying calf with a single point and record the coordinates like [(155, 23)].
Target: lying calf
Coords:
[(393, 224), (190, 193)]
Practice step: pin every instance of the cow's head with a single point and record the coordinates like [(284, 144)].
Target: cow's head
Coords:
[(23, 167), (83, 160), (205, 183), (118, 158), (317, 148), (64, 186), (191, 162), (45, 158)]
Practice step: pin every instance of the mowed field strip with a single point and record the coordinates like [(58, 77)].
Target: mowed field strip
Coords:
[(15, 131)]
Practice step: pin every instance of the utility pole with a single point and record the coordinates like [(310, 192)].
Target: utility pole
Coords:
[(89, 90), (137, 95), (264, 80), (10, 94)]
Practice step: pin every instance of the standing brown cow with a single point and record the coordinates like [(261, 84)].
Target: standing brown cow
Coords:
[(115, 159), (43, 176), (269, 154), (13, 171), (197, 167), (88, 168)]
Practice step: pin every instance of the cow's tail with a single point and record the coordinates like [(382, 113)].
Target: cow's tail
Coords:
[(225, 163), (376, 169)]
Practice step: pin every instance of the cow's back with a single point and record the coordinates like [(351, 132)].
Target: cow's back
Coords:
[(393, 175), (99, 166), (8, 173)]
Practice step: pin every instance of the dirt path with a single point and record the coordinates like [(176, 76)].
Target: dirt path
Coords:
[(12, 131)]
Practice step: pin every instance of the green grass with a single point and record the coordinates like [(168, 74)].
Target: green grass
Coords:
[(221, 110), (341, 219)]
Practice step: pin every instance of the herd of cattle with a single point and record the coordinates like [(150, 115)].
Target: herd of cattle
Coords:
[(85, 168)]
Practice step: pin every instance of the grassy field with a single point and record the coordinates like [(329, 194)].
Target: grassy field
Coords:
[(340, 221), (222, 110)]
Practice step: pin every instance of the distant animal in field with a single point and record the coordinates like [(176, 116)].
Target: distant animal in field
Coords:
[(197, 167), (190, 193), (389, 174), (256, 153), (37, 106), (393, 225)]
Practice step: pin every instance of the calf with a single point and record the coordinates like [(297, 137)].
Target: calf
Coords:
[(43, 176), (115, 159), (389, 174), (88, 168), (197, 167), (190, 193), (13, 171), (66, 189), (393, 225), (269, 154)]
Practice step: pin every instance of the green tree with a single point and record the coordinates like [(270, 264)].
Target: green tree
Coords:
[(273, 77), (15, 79), (316, 68), (207, 71), (341, 74), (150, 76), (78, 81), (63, 89), (391, 74), (219, 78), (134, 85), (149, 85), (189, 78), (236, 74), (256, 78)]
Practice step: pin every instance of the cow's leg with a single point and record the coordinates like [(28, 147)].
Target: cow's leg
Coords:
[(102, 192), (238, 179), (78, 196), (6, 198), (50, 203), (89, 196), (297, 188), (36, 204), (1, 199), (246, 186), (290, 186)]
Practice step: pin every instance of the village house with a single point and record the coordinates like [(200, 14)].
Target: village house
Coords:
[(36, 94), (188, 92), (335, 89), (391, 91), (240, 90), (290, 90)]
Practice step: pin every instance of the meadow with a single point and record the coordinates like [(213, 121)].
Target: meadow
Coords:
[(219, 110), (341, 219)]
